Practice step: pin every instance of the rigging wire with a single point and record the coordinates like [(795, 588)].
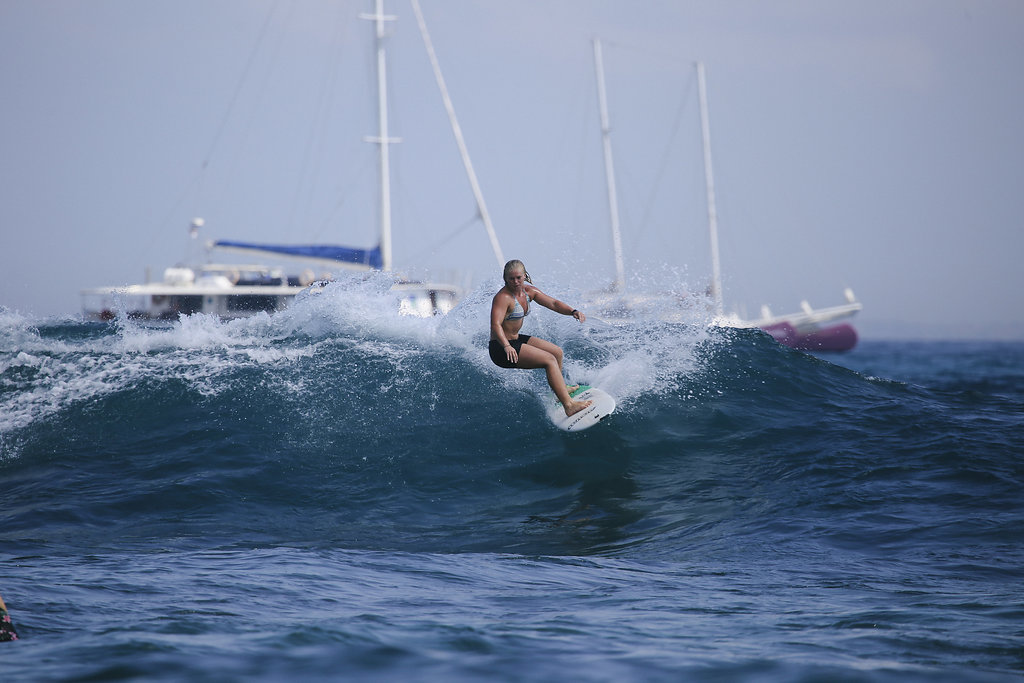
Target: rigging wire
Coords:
[(262, 91), (663, 165), (313, 155), (363, 170), (459, 230), (197, 179), (238, 87)]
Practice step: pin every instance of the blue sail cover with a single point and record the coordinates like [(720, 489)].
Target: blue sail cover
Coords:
[(370, 258)]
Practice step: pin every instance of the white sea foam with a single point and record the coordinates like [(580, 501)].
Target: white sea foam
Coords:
[(40, 374)]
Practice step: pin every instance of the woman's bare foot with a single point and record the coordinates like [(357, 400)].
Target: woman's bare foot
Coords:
[(572, 388), (575, 406)]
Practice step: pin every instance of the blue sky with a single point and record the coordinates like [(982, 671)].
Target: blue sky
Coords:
[(873, 145)]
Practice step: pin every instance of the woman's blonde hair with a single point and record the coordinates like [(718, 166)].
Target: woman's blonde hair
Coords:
[(513, 265)]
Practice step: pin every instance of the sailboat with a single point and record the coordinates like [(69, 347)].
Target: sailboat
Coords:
[(824, 329), (230, 291)]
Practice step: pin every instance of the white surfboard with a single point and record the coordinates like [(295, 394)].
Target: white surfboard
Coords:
[(603, 405)]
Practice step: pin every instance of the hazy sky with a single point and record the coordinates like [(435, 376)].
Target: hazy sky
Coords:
[(874, 145)]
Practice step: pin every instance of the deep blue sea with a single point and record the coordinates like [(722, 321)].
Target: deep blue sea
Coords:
[(338, 492)]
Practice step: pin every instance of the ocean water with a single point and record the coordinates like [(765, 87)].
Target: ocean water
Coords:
[(339, 492)]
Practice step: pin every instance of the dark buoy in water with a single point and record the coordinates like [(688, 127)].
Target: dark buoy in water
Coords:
[(7, 631)]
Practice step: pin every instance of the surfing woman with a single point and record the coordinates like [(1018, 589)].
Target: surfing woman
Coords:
[(509, 349)]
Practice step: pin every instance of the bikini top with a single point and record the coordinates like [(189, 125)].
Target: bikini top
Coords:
[(517, 311)]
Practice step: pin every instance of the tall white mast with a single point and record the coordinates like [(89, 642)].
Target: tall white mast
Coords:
[(716, 269), (457, 130), (382, 138), (609, 170)]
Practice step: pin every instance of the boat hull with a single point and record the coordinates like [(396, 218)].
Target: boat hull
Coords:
[(149, 302), (840, 337)]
